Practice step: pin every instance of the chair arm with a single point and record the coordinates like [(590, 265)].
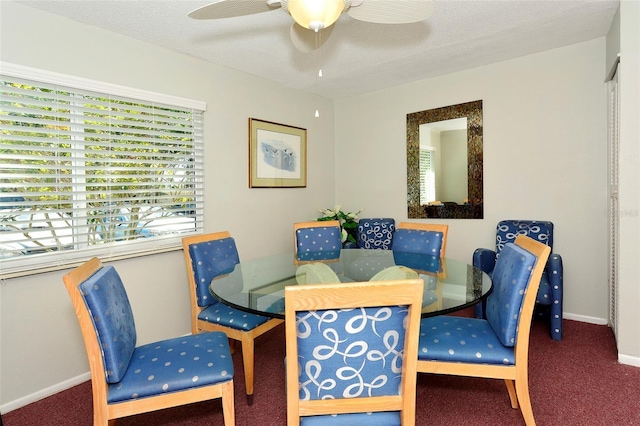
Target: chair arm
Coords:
[(554, 275), (484, 259)]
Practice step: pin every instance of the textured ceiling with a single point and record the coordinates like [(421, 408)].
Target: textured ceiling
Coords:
[(358, 57)]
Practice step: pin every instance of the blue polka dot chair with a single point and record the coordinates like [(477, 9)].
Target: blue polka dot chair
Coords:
[(319, 240), (352, 352), (421, 245), (375, 233), (415, 243), (208, 256), (496, 347), (549, 298), (127, 379)]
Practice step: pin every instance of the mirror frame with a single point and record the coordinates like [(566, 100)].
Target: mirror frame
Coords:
[(474, 209)]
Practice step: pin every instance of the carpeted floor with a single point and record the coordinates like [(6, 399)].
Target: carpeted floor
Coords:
[(577, 381)]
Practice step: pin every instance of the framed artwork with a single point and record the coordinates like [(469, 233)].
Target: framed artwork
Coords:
[(277, 155)]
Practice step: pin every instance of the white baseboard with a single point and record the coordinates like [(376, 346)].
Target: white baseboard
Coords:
[(622, 359), (584, 318), (52, 390), (629, 360)]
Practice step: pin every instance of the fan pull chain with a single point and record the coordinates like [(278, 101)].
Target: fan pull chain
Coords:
[(317, 114)]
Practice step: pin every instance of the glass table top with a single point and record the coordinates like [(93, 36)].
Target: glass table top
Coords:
[(258, 285)]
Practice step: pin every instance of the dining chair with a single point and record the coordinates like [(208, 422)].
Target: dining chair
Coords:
[(550, 293), (318, 240), (352, 352), (127, 379), (396, 272), (496, 347), (430, 227), (316, 273), (375, 233), (209, 256)]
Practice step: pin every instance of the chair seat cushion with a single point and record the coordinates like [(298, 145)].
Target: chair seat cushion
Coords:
[(316, 273), (383, 418), (458, 339), (222, 314), (173, 365)]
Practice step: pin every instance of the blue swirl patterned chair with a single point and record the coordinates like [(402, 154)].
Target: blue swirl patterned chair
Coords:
[(549, 297), (375, 233), (496, 347), (208, 256), (320, 240), (128, 380), (352, 352)]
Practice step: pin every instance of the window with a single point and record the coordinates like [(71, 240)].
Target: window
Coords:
[(427, 176), (87, 172)]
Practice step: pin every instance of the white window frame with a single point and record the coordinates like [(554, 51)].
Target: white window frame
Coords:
[(427, 175), (36, 263)]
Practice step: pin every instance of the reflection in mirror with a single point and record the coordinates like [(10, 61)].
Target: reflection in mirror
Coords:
[(444, 162)]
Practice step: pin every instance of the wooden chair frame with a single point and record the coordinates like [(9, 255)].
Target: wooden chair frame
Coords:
[(246, 338), (515, 376), (434, 227), (105, 413), (354, 295)]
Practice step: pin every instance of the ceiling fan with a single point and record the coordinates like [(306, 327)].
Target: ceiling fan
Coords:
[(311, 16)]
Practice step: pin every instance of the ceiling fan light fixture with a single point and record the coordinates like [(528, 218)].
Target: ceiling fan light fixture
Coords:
[(315, 14)]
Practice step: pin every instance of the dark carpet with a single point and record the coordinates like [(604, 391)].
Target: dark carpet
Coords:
[(577, 381)]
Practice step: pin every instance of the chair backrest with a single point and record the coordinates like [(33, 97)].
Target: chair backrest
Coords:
[(352, 348), (106, 321), (208, 256), (433, 227), (375, 233), (539, 230), (319, 240), (516, 279)]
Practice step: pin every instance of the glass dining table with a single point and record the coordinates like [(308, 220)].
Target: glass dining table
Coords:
[(257, 285)]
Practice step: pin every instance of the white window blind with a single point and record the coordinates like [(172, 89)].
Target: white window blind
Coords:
[(427, 177), (86, 172)]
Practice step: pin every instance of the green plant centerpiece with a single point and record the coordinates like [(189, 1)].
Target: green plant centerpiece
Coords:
[(348, 223)]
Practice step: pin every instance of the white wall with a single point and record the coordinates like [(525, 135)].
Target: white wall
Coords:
[(628, 312), (40, 343), (544, 158), (545, 148)]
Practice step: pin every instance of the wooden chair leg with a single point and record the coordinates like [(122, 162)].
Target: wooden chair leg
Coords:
[(522, 390), (228, 405), (247, 361), (512, 393)]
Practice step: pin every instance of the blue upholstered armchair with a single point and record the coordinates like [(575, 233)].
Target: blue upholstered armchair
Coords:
[(550, 291), (375, 233)]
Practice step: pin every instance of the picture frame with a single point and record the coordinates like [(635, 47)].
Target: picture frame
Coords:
[(277, 155)]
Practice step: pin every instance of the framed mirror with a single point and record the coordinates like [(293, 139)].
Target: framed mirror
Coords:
[(442, 144)]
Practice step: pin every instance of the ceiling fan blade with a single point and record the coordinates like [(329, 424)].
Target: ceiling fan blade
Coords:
[(306, 40), (391, 11), (231, 8)]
